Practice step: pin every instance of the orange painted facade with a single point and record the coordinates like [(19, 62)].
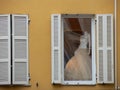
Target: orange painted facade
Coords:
[(39, 12)]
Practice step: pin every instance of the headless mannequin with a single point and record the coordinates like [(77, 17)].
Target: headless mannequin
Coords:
[(79, 66)]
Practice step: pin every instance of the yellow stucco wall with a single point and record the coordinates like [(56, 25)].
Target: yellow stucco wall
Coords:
[(40, 35), (118, 40)]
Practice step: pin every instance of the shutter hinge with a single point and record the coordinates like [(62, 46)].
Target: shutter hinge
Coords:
[(96, 77), (95, 21), (103, 83), (29, 77), (28, 21)]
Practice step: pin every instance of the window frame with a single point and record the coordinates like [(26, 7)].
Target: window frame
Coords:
[(86, 82), (57, 26)]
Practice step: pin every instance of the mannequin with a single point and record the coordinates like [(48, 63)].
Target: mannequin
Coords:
[(79, 67)]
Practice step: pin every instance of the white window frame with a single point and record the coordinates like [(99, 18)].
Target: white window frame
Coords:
[(89, 82), (61, 50)]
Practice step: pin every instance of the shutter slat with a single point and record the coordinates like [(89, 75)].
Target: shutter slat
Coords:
[(3, 48), (100, 53), (101, 66), (56, 50), (20, 49), (4, 26), (20, 26), (109, 64), (105, 72), (100, 31), (5, 60), (109, 32), (110, 55), (20, 71), (4, 72)]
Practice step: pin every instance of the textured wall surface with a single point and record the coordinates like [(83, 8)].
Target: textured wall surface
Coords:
[(39, 12)]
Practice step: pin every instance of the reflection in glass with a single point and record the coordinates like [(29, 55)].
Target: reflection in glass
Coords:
[(77, 49)]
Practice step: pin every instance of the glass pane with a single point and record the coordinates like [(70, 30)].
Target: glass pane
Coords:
[(77, 49)]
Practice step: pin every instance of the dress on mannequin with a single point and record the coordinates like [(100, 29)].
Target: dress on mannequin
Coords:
[(79, 67)]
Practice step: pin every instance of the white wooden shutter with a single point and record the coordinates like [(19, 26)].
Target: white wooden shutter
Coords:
[(20, 49), (56, 48), (105, 55), (5, 50)]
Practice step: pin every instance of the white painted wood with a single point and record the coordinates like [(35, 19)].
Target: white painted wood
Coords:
[(20, 49), (5, 50), (105, 55), (115, 41), (56, 48), (80, 82)]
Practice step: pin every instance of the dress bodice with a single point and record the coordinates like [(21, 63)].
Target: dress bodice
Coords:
[(84, 40)]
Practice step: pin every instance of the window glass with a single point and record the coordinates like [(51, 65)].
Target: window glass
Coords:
[(77, 49)]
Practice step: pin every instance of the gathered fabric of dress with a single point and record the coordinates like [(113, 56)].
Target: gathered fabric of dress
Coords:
[(79, 67)]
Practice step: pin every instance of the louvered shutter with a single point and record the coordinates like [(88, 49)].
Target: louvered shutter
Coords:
[(56, 48), (5, 50), (105, 55), (20, 49)]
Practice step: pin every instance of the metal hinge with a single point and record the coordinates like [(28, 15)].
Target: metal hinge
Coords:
[(28, 21), (96, 77), (95, 21)]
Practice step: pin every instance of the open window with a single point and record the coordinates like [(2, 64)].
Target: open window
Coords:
[(75, 41)]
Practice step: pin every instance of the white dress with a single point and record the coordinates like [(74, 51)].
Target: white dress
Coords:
[(79, 67)]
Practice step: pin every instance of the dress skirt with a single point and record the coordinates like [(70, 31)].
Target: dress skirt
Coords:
[(79, 67)]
